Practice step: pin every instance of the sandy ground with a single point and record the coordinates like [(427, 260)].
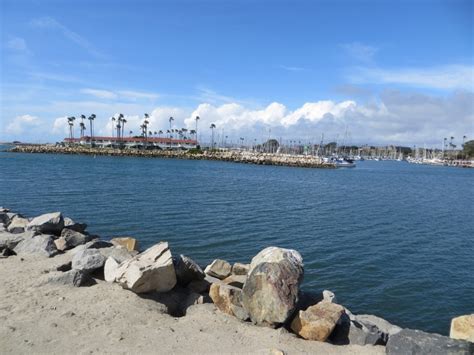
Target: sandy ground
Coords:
[(103, 318)]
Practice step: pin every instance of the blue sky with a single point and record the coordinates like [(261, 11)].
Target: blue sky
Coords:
[(386, 72)]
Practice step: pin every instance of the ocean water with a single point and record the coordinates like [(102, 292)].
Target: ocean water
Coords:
[(389, 238)]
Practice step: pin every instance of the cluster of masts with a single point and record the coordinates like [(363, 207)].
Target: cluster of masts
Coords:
[(118, 127)]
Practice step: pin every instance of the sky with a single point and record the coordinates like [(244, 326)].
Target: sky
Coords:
[(358, 72)]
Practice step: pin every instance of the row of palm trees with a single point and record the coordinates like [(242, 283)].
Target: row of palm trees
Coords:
[(118, 128)]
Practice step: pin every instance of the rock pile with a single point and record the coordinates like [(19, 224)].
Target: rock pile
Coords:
[(265, 292)]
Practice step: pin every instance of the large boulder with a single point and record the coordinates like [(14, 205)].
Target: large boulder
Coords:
[(70, 224), (17, 224), (52, 223), (42, 245), (187, 270), (131, 244), (463, 328), (409, 341), (228, 299), (318, 321), (88, 260), (151, 270), (270, 292), (219, 268)]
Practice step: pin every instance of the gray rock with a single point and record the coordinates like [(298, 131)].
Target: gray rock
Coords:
[(70, 224), (387, 329), (88, 260), (409, 341), (199, 286), (4, 218), (151, 270), (270, 292), (17, 224), (38, 245), (70, 278), (352, 332), (187, 270), (219, 268), (9, 240), (52, 223), (74, 238), (119, 253), (93, 244), (240, 269)]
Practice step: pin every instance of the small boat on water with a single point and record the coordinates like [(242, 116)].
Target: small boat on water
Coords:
[(340, 162)]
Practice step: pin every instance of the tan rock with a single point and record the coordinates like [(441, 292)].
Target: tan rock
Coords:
[(219, 268), (462, 328), (60, 243), (318, 321), (228, 299), (235, 280), (128, 242)]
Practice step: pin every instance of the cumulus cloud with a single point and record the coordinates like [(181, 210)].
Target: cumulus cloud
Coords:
[(394, 117), (20, 124)]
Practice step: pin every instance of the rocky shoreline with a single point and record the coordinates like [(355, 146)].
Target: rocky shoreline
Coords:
[(245, 157), (260, 297)]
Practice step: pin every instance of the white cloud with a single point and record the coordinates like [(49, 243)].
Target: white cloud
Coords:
[(21, 124), (121, 94), (101, 94), (51, 23), (292, 68), (17, 44), (359, 51), (60, 126), (443, 77)]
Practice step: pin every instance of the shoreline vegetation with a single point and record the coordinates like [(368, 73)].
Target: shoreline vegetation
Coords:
[(67, 289), (246, 157)]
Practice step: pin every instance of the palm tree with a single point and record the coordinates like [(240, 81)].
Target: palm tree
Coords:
[(81, 125), (171, 119), (91, 118), (123, 125), (130, 133), (83, 128), (160, 132), (197, 119), (212, 134), (70, 121), (113, 124), (192, 132)]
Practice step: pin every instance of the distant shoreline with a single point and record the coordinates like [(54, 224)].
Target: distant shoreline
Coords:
[(245, 157)]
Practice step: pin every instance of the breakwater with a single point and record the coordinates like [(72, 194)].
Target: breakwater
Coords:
[(246, 157), (264, 292)]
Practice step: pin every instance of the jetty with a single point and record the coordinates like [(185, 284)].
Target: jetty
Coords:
[(65, 288), (236, 156)]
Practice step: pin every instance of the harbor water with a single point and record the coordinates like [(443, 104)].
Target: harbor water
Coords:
[(389, 238)]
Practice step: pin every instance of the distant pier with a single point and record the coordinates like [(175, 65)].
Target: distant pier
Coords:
[(302, 161)]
